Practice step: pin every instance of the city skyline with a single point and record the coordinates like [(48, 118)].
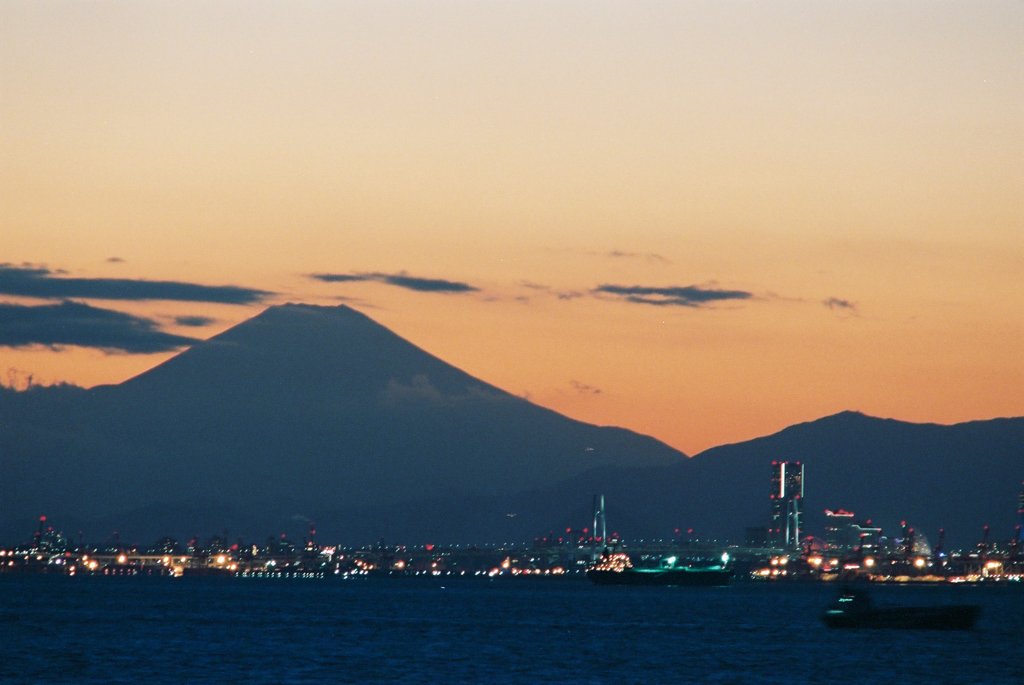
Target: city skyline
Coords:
[(702, 222)]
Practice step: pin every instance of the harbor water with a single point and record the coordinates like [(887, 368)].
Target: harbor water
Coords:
[(469, 630)]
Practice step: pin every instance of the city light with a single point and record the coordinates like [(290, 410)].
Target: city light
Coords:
[(858, 551)]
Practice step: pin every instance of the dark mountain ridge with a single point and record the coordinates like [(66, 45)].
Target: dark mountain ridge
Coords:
[(320, 413), (301, 409), (958, 477)]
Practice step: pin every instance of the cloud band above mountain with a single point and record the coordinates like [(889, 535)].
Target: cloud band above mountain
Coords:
[(40, 282), (401, 280), (78, 324), (676, 296)]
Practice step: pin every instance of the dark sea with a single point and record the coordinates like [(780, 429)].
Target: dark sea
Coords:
[(419, 630)]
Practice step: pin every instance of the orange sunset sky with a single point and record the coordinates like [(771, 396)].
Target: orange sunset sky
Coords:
[(703, 221)]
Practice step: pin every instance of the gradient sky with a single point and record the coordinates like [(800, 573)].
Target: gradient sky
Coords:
[(700, 220)]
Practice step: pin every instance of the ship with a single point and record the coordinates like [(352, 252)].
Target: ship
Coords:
[(853, 609), (617, 569)]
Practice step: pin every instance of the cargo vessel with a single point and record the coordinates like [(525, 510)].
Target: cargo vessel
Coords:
[(853, 609), (617, 569)]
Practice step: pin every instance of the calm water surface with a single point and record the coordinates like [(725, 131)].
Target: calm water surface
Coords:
[(164, 630)]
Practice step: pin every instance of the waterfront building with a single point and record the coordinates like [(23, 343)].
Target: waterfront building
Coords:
[(845, 535), (838, 530), (787, 494), (865, 537)]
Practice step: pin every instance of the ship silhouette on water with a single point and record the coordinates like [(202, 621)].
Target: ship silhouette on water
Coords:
[(854, 609), (616, 568)]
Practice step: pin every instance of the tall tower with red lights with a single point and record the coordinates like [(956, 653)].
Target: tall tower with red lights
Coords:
[(787, 494)]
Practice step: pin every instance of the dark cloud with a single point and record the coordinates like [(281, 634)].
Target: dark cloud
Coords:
[(196, 321), (40, 282), (676, 296), (342, 278), (838, 303), (428, 284), (75, 323), (402, 280), (115, 260)]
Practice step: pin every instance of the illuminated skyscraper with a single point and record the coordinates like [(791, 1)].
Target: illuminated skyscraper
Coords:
[(600, 530), (600, 525), (787, 496)]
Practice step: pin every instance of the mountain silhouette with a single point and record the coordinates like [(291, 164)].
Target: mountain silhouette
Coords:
[(319, 413), (296, 413), (959, 477)]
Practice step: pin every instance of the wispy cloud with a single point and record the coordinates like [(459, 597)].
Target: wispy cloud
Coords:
[(421, 391), (548, 290), (342, 278), (674, 296), (647, 256), (195, 321), (41, 282), (840, 304), (75, 323), (401, 280), (584, 389)]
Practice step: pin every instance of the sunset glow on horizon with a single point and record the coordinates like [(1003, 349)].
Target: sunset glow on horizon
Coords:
[(700, 221)]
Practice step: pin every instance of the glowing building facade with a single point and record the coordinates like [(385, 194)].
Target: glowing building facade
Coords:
[(787, 494), (838, 524)]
